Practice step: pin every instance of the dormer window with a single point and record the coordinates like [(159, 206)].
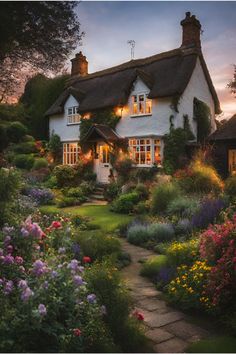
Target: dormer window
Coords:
[(73, 116), (141, 105)]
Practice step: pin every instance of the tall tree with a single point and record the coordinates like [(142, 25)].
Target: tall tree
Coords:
[(232, 84), (35, 36)]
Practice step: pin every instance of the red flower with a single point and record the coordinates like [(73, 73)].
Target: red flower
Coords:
[(77, 332), (43, 235), (138, 315), (87, 259), (56, 224)]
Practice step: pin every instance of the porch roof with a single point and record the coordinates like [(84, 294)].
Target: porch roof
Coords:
[(101, 132)]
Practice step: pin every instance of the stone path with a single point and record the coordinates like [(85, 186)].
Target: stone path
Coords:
[(170, 330)]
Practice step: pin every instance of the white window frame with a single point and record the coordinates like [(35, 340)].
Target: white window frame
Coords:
[(73, 116), (138, 102), (142, 146), (71, 152)]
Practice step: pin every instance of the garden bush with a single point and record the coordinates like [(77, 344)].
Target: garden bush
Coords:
[(125, 203), (208, 212), (75, 192), (64, 174), (182, 207), (41, 196), (183, 228), (97, 245), (162, 195), (154, 265), (111, 191), (68, 201), (137, 234), (16, 131), (140, 233), (230, 186), (28, 147), (87, 187), (40, 163), (179, 253), (142, 191), (142, 207), (124, 168), (3, 137), (24, 161), (161, 232)]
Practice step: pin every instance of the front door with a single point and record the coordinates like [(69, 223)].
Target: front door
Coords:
[(104, 166)]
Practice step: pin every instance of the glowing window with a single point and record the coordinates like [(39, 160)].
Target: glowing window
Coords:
[(141, 104), (73, 116), (70, 153)]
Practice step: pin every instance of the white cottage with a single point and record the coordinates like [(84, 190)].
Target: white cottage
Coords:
[(148, 94)]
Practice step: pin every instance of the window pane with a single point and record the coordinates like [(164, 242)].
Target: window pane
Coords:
[(148, 105), (70, 110), (141, 104)]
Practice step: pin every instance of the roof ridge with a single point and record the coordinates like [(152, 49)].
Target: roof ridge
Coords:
[(134, 63)]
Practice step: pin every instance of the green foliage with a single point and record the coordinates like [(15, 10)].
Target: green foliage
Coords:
[(174, 149), (182, 252), (16, 131), (3, 137), (142, 191), (40, 163), (12, 112), (64, 174), (139, 234), (24, 161), (125, 203), (146, 174), (182, 207), (103, 116), (124, 168), (112, 190), (153, 265), (75, 192), (187, 128), (24, 148), (70, 201), (202, 114), (96, 244), (142, 207), (55, 146), (9, 186), (162, 195), (230, 186), (40, 93), (213, 345)]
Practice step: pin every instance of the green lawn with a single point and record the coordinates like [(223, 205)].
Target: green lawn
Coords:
[(99, 215), (214, 345)]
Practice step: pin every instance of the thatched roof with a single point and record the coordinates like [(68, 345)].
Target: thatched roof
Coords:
[(226, 132), (166, 74)]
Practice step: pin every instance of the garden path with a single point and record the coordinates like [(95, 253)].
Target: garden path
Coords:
[(170, 330)]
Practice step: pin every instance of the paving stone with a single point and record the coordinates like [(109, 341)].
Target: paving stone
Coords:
[(186, 330), (173, 345), (152, 304), (147, 291), (155, 319), (158, 335)]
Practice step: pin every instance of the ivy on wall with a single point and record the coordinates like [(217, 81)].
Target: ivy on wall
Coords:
[(202, 114), (187, 127)]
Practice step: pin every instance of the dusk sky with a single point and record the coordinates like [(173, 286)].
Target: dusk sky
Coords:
[(155, 27)]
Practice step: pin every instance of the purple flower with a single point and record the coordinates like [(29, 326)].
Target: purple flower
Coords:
[(91, 298), (61, 250), (54, 274), (24, 232), (78, 280), (19, 260), (42, 310), (75, 248), (45, 284), (39, 268), (8, 288), (9, 259), (22, 284), (36, 230), (7, 240), (1, 252), (26, 294), (8, 230), (9, 248), (73, 265)]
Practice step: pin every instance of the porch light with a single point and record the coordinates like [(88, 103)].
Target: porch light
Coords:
[(119, 111)]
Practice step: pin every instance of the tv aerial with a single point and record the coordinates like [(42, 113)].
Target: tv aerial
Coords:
[(131, 42)]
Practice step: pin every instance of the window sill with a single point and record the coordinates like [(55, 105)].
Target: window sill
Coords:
[(140, 115), (73, 123)]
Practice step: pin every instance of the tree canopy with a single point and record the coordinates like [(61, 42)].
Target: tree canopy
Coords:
[(35, 36), (232, 84)]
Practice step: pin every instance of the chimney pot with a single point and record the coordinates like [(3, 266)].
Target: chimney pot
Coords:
[(191, 31), (79, 65)]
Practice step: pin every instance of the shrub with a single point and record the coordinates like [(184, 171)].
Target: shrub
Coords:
[(125, 203), (142, 207), (64, 175), (142, 191), (230, 186), (145, 174), (182, 252), (183, 227), (161, 232), (28, 138), (3, 137), (68, 201), (55, 146), (40, 163), (162, 195), (87, 187), (97, 245), (153, 266), (137, 234), (16, 131), (75, 192), (25, 148), (208, 212), (112, 190), (123, 168), (38, 176), (182, 207), (24, 161), (51, 182), (41, 196)]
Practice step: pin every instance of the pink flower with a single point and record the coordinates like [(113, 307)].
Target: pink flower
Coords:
[(56, 224), (19, 260), (77, 332)]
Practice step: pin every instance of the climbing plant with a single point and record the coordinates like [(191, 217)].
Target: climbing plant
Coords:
[(187, 127), (174, 149), (202, 115)]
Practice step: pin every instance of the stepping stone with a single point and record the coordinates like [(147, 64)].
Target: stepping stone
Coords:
[(174, 345), (152, 304), (187, 331), (155, 319), (147, 291), (158, 335)]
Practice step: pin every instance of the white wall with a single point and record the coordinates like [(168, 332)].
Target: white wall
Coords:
[(58, 123), (197, 87), (155, 124)]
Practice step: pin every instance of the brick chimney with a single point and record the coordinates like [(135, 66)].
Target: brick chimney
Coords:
[(79, 65), (191, 31)]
